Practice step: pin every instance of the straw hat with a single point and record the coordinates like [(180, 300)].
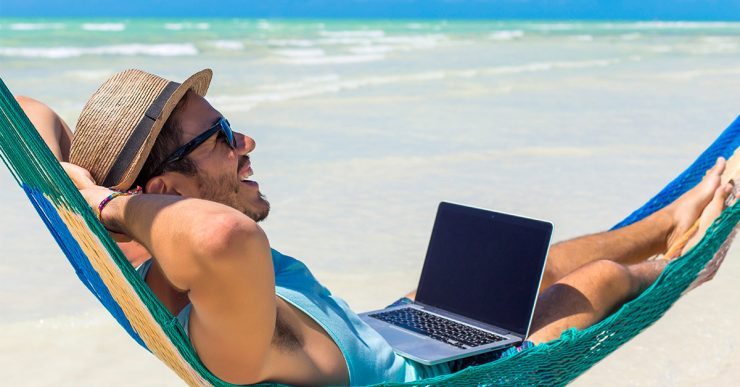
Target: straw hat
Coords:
[(120, 122)]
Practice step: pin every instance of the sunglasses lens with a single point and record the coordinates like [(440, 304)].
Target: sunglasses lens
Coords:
[(226, 129)]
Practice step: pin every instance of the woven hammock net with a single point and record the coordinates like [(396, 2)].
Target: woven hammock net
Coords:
[(104, 270)]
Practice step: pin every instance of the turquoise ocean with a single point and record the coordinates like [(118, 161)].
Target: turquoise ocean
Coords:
[(362, 127)]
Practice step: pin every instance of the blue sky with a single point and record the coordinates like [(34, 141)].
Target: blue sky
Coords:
[(389, 9)]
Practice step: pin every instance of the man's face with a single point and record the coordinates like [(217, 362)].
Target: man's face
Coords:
[(222, 172)]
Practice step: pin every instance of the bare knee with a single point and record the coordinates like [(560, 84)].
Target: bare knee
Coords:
[(581, 298), (612, 277)]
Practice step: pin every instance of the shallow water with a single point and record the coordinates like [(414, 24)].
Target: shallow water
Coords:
[(363, 127)]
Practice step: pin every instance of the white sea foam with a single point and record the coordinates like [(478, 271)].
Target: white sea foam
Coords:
[(332, 83), (186, 26), (90, 75), (334, 59), (290, 43), (104, 27), (348, 41), (264, 25), (353, 34), (554, 26), (363, 50), (172, 49), (713, 47), (681, 25), (301, 53), (233, 45), (693, 74), (506, 35), (583, 38), (421, 41), (36, 26)]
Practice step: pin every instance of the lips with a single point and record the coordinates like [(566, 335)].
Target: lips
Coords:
[(244, 170)]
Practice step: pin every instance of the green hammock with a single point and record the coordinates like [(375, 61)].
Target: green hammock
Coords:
[(102, 267)]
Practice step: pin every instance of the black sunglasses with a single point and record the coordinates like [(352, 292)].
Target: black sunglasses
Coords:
[(222, 126)]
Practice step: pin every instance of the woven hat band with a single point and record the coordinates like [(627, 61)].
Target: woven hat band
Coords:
[(136, 140)]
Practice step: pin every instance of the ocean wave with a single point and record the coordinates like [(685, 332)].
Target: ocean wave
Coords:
[(345, 41), (264, 25), (186, 26), (353, 34), (364, 50), (554, 26), (36, 26), (90, 75), (506, 35), (103, 27), (682, 25), (422, 41), (333, 83), (692, 74), (334, 59), (290, 43), (173, 49), (583, 38), (233, 45), (301, 53)]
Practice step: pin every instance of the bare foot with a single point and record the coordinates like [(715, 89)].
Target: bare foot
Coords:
[(711, 212), (685, 210)]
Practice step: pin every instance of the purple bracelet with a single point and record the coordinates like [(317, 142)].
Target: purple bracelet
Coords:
[(112, 196)]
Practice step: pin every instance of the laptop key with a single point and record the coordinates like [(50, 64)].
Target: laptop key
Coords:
[(438, 328)]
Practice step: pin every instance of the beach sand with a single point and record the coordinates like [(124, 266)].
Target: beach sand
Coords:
[(362, 128)]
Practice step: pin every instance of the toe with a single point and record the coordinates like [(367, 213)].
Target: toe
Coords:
[(719, 166), (717, 204)]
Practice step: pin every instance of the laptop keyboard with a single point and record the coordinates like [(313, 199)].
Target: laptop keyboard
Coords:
[(438, 328)]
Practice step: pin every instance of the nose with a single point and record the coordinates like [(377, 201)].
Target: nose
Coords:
[(244, 143)]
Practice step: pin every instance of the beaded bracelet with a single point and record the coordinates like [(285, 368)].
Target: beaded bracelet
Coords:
[(114, 195)]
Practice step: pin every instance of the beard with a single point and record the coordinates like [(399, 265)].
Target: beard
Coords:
[(229, 191)]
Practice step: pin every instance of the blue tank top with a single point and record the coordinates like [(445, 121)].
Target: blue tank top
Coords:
[(370, 359)]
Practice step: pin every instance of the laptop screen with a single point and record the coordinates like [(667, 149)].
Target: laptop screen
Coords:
[(485, 265)]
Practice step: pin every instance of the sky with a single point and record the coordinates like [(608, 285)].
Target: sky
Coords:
[(383, 9)]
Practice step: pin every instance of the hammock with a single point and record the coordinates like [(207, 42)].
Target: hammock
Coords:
[(104, 270)]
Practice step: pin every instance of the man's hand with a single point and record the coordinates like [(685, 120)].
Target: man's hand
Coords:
[(93, 193)]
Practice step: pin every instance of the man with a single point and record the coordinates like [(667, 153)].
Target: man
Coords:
[(253, 314)]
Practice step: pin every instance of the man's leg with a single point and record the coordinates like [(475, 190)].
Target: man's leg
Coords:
[(591, 292), (634, 243), (638, 241)]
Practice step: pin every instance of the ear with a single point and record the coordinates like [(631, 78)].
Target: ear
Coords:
[(161, 185)]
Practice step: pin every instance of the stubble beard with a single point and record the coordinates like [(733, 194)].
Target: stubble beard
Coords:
[(225, 190)]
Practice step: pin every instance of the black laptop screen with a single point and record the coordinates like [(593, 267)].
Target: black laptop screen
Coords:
[(485, 265)]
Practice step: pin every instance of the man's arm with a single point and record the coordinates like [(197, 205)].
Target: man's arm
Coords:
[(51, 127), (221, 258), (57, 136)]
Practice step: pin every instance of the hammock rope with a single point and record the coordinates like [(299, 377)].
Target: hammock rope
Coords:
[(102, 267)]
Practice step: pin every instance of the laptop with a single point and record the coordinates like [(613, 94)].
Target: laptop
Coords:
[(477, 290)]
